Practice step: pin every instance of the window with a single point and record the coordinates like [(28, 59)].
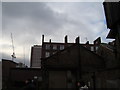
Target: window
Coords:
[(61, 47), (47, 54), (47, 46), (96, 42), (96, 48), (54, 52), (92, 48), (55, 47)]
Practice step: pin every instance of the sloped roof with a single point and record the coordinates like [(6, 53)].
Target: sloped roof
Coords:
[(6, 60), (74, 56)]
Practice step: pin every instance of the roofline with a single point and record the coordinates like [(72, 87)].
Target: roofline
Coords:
[(9, 61), (59, 51), (112, 33), (26, 68), (70, 47), (56, 43), (112, 50)]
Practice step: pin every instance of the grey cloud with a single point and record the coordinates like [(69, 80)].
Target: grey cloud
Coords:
[(36, 15), (28, 21), (5, 56), (86, 18)]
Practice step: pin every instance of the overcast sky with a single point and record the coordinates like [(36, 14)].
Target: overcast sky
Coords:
[(27, 21)]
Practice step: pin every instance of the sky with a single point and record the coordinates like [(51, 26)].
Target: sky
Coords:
[(28, 21)]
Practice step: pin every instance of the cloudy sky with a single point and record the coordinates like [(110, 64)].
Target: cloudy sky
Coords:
[(27, 21)]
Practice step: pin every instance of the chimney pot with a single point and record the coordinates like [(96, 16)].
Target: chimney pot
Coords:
[(66, 39), (50, 40), (42, 39), (77, 40)]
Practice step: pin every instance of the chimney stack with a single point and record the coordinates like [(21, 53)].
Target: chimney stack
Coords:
[(77, 40), (50, 40), (87, 42), (66, 40), (42, 39)]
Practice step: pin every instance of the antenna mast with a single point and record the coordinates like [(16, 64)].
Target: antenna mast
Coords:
[(24, 54), (13, 55)]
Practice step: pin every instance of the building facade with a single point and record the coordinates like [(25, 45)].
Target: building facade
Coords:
[(50, 48), (71, 65), (36, 52), (112, 13), (18, 76), (6, 66), (110, 76)]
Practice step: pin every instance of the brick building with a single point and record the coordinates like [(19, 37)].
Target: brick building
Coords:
[(71, 65), (50, 48), (47, 49)]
